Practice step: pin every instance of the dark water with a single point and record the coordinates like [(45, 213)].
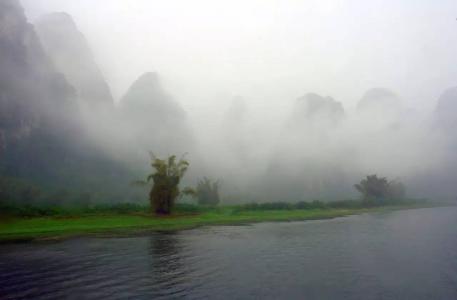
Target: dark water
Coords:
[(398, 255)]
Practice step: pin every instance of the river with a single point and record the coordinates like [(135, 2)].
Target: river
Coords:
[(409, 254)]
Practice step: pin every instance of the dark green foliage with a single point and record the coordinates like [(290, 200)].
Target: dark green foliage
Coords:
[(165, 182), (84, 200), (397, 190), (373, 187), (19, 191), (188, 208), (378, 190), (119, 208), (208, 192), (280, 205), (44, 210), (303, 205), (319, 204), (316, 204)]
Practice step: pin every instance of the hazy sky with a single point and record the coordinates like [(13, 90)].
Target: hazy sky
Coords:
[(271, 52)]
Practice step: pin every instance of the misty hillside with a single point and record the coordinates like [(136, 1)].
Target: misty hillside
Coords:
[(376, 98), (315, 108), (446, 110), (37, 103), (155, 120), (228, 149), (43, 137), (308, 157), (234, 129), (68, 50), (61, 117)]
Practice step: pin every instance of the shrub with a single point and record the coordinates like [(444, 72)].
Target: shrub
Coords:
[(14, 190), (396, 190), (208, 192), (378, 190)]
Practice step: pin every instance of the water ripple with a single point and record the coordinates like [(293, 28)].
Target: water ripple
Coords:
[(409, 254)]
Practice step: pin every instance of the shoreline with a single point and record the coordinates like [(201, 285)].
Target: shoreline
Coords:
[(53, 229)]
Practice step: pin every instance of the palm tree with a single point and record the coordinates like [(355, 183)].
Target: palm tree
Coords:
[(165, 182)]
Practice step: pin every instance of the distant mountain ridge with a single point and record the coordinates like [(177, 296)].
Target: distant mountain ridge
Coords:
[(42, 135), (154, 118), (69, 51), (312, 106), (33, 95), (446, 109)]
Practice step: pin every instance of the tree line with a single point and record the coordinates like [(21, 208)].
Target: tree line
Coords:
[(167, 174)]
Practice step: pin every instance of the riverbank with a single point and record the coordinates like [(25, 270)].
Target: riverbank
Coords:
[(17, 229)]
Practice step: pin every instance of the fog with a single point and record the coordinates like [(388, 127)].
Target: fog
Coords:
[(272, 50), (280, 100)]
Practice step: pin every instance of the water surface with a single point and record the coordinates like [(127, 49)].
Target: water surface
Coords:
[(409, 254)]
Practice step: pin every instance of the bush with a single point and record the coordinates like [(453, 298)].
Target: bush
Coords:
[(14, 190), (378, 190), (208, 192), (188, 208), (282, 205), (46, 210), (396, 190), (347, 204)]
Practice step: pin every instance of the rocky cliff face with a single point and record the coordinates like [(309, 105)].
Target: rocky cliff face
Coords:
[(313, 107), (376, 98), (305, 164), (33, 96), (70, 53), (379, 109), (446, 110), (154, 118), (234, 129), (42, 137)]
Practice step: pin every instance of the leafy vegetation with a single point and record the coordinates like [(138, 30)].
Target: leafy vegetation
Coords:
[(18, 191), (21, 192), (208, 192), (165, 182), (75, 210), (111, 219), (316, 204), (378, 190), (29, 211)]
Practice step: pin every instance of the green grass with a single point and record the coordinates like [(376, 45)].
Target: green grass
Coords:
[(56, 227)]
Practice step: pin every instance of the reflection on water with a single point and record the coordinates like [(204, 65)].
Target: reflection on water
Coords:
[(168, 267), (399, 255)]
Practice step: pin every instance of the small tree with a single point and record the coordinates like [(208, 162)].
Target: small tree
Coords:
[(396, 190), (165, 182), (208, 192), (373, 188), (379, 189)]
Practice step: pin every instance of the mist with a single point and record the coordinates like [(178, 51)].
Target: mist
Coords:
[(279, 100)]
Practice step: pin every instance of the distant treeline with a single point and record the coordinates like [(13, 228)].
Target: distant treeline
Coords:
[(48, 210), (25, 193), (44, 210), (21, 198), (316, 204)]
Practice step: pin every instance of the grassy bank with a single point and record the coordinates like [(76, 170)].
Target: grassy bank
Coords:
[(15, 228)]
